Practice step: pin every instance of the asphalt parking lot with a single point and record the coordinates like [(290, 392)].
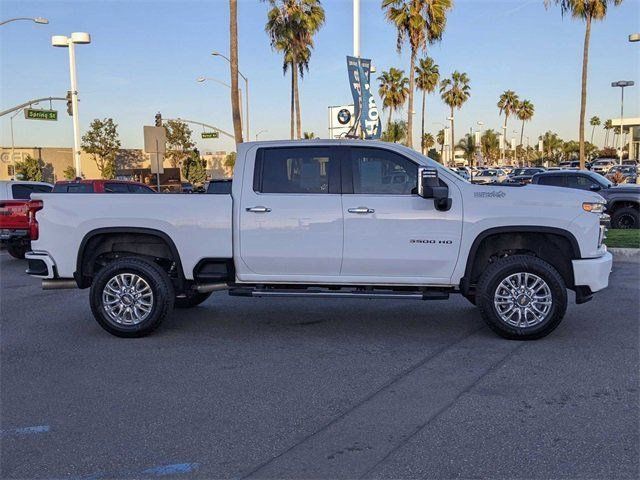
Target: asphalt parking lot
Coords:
[(272, 388)]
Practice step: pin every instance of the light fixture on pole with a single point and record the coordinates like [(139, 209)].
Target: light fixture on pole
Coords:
[(204, 79), (622, 84), (634, 37), (80, 38), (246, 91), (40, 20), (261, 131)]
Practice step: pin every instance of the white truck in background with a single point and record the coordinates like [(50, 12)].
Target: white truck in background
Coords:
[(328, 218)]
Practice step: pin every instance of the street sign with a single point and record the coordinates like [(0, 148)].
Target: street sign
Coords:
[(34, 114), (210, 134)]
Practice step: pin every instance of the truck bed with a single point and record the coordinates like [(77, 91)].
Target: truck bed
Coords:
[(199, 225)]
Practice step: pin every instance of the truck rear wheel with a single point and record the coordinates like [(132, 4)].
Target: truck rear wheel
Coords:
[(522, 297), (18, 249), (191, 299), (131, 296)]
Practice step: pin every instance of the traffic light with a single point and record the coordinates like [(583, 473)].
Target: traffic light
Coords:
[(69, 104), (158, 119)]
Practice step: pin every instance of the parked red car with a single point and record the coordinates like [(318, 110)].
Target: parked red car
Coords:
[(17, 228), (101, 186)]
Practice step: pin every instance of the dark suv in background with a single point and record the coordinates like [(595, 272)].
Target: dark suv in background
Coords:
[(623, 201)]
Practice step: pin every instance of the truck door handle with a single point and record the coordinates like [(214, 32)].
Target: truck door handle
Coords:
[(361, 210), (258, 209)]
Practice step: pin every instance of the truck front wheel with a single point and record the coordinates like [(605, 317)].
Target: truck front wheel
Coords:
[(522, 297), (131, 296)]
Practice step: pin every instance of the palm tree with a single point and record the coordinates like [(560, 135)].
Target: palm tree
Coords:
[(608, 125), (468, 147), (422, 23), (396, 132), (233, 63), (291, 25), (440, 140), (508, 103), (490, 145), (427, 142), (309, 135), (588, 11), (552, 145), (594, 122), (524, 113), (455, 91), (427, 78), (393, 90)]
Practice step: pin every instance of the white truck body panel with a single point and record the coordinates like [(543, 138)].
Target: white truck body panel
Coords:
[(314, 239)]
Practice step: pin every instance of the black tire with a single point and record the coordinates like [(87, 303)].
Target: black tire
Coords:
[(500, 270), (625, 218), (18, 249), (191, 299), (161, 301)]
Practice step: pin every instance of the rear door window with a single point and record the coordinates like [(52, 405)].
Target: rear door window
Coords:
[(553, 180), (297, 170)]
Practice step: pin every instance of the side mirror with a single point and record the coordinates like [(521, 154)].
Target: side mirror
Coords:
[(429, 187), (595, 188)]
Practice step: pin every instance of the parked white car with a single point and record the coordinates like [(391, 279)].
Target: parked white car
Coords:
[(603, 165), (491, 175), (328, 219)]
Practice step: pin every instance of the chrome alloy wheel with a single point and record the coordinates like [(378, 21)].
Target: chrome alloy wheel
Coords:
[(127, 299), (523, 300)]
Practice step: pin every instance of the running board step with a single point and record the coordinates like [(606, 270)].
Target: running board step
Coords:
[(338, 293)]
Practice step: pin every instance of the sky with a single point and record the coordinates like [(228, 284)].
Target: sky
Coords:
[(145, 57)]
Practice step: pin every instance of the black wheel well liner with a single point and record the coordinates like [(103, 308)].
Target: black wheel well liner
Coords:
[(471, 272), (622, 203), (84, 281)]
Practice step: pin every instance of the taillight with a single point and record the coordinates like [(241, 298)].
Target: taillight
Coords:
[(34, 206)]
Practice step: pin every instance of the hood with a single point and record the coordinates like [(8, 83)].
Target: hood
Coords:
[(625, 188)]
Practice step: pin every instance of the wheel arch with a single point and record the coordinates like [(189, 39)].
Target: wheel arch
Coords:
[(527, 232), (81, 274)]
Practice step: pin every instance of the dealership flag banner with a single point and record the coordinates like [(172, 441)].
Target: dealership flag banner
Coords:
[(365, 109)]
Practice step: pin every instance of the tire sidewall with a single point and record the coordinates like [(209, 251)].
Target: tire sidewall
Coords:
[(617, 216), (496, 274), (159, 283)]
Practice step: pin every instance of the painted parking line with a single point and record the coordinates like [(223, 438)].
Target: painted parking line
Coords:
[(24, 430), (152, 472)]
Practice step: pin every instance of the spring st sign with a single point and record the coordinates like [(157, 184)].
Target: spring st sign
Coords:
[(36, 114)]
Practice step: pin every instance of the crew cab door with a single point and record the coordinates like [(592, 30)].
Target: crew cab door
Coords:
[(390, 231), (291, 221)]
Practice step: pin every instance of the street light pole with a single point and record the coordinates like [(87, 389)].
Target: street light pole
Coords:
[(81, 38), (622, 84), (246, 90), (356, 28), (261, 131)]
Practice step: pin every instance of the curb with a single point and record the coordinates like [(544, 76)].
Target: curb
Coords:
[(625, 254)]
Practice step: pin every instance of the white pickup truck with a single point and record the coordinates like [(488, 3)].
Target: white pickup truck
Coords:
[(328, 218)]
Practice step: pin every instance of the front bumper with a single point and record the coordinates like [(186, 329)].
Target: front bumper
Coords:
[(41, 265), (593, 272)]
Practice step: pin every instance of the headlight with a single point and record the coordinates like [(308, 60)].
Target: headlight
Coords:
[(593, 207)]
